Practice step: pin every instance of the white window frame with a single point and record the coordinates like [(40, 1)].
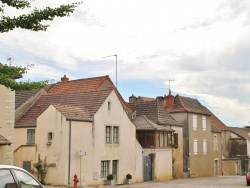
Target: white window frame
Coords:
[(195, 122), (108, 135), (195, 147), (204, 146), (105, 168), (116, 134), (204, 123)]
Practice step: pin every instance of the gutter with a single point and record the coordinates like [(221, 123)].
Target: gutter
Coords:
[(69, 165)]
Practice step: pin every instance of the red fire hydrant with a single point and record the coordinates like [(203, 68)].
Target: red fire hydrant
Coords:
[(75, 180)]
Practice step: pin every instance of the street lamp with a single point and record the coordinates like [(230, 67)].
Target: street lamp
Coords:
[(115, 68)]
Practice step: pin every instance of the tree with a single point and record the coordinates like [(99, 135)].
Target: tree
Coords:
[(31, 21), (8, 74)]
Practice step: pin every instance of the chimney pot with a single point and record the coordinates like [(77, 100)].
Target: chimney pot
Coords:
[(64, 79)]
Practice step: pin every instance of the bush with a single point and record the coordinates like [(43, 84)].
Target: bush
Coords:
[(129, 176), (110, 177)]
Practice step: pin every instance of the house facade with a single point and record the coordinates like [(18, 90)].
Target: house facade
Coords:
[(196, 121), (7, 108), (156, 141), (80, 133), (155, 111)]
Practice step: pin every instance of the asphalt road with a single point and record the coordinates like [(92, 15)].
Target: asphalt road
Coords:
[(204, 182)]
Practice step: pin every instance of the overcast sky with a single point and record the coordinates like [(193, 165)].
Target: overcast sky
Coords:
[(203, 45)]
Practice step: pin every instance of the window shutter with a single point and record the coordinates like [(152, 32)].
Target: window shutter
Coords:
[(204, 126), (204, 146), (195, 147), (195, 122)]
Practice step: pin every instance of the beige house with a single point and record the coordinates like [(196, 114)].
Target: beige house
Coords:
[(63, 127), (155, 111), (157, 149), (196, 120), (7, 108)]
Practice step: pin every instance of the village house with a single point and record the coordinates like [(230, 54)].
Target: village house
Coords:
[(156, 141), (155, 111), (196, 120), (79, 128)]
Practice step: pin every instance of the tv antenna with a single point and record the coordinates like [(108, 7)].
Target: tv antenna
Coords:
[(169, 85), (10, 60), (115, 67)]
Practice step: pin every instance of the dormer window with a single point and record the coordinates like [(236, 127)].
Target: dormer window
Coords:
[(109, 105)]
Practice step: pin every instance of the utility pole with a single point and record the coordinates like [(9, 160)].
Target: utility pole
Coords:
[(115, 68)]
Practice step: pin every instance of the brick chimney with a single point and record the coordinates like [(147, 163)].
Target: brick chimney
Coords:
[(64, 79), (132, 99), (169, 100)]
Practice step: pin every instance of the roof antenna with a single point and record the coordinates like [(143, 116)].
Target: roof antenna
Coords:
[(10, 60), (169, 92)]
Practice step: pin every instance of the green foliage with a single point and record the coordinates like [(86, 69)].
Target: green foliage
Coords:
[(31, 21), (128, 176), (110, 177), (8, 74), (41, 168)]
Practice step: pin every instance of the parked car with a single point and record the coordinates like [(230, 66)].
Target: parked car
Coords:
[(248, 178), (15, 177)]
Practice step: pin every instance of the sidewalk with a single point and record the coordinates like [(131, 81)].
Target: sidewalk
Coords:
[(139, 185)]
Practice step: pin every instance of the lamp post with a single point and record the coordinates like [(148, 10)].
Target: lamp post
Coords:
[(115, 68)]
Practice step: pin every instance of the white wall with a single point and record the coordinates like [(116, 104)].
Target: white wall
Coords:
[(90, 138), (7, 116)]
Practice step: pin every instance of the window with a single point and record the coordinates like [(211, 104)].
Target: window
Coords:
[(146, 139), (50, 136), (195, 122), (215, 142), (26, 180), (115, 135), (109, 105), (204, 146), (6, 179), (160, 139), (30, 136), (204, 123), (104, 169), (195, 147), (108, 134), (27, 165), (176, 139)]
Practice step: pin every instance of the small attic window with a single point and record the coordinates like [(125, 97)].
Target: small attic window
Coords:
[(50, 136), (109, 105)]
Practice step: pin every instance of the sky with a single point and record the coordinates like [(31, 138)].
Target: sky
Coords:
[(202, 45)]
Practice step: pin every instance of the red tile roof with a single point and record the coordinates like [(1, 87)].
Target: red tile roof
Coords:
[(156, 112), (87, 102), (142, 123), (217, 123), (187, 104), (4, 141), (87, 84)]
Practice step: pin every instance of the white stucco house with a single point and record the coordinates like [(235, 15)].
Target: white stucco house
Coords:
[(95, 123), (88, 133)]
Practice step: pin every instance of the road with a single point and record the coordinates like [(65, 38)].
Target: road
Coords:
[(204, 182)]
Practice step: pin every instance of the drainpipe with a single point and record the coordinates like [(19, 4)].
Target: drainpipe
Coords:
[(69, 151), (221, 152), (188, 161)]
